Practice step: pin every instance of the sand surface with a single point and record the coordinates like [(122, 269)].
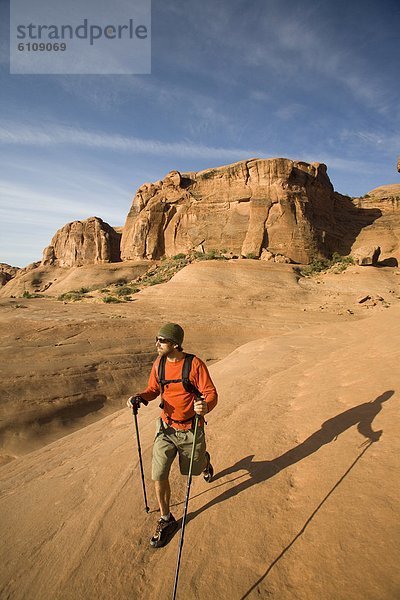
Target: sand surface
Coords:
[(305, 441)]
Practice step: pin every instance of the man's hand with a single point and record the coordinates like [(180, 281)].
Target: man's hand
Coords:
[(200, 407), (134, 402)]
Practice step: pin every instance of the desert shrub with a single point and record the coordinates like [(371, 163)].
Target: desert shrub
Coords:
[(209, 255), (213, 253), (71, 296), (251, 255), (179, 256), (156, 279), (111, 299), (83, 290), (28, 295), (317, 265), (124, 291), (36, 281), (121, 281), (127, 290), (340, 263)]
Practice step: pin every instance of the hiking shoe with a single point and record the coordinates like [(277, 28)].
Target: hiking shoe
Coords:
[(164, 531), (209, 470)]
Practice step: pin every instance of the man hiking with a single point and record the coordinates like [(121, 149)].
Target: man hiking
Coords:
[(186, 389)]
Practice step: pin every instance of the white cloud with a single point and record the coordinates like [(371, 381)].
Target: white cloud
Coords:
[(52, 135), (389, 144), (23, 204), (289, 111)]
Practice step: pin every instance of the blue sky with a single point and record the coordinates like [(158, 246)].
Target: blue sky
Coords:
[(230, 80)]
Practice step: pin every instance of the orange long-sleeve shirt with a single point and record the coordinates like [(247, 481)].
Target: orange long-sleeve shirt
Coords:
[(178, 403)]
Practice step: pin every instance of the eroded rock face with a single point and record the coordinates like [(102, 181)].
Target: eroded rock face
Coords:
[(7, 272), (384, 197), (286, 207), (384, 231), (83, 242), (367, 255)]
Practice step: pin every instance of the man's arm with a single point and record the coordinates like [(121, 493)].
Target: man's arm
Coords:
[(202, 380)]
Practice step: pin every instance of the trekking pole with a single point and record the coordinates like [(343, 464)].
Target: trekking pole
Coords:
[(189, 481), (135, 409)]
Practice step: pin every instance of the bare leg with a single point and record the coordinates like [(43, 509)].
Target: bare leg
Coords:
[(163, 493)]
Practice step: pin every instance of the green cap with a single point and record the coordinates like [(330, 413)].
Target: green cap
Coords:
[(173, 332)]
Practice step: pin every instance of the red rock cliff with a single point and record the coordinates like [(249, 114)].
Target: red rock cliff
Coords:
[(83, 242), (285, 206)]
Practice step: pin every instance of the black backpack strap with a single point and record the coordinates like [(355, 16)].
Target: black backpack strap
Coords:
[(161, 378), (187, 384), (161, 373)]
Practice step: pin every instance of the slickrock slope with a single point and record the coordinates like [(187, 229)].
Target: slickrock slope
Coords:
[(53, 280), (64, 365), (83, 242), (288, 207), (304, 505)]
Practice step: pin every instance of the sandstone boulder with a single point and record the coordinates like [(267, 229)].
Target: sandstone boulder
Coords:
[(83, 242), (286, 207), (7, 272), (270, 257), (385, 230), (367, 255)]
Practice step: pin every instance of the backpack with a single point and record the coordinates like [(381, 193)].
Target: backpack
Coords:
[(187, 384)]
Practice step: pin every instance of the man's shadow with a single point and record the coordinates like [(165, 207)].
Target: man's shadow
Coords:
[(259, 471)]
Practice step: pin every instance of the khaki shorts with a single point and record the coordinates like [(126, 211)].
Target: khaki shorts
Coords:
[(169, 442)]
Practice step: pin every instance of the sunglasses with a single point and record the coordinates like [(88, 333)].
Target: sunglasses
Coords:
[(162, 340)]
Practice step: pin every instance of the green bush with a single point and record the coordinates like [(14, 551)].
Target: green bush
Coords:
[(179, 256), (111, 299), (125, 290), (251, 255), (213, 253), (156, 279), (27, 294), (209, 255), (71, 296), (340, 263)]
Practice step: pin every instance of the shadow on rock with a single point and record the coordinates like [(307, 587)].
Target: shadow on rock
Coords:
[(361, 416)]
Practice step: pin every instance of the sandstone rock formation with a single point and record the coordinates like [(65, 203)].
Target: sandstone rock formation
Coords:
[(384, 231), (286, 207), (367, 255), (7, 272), (83, 242), (384, 197)]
